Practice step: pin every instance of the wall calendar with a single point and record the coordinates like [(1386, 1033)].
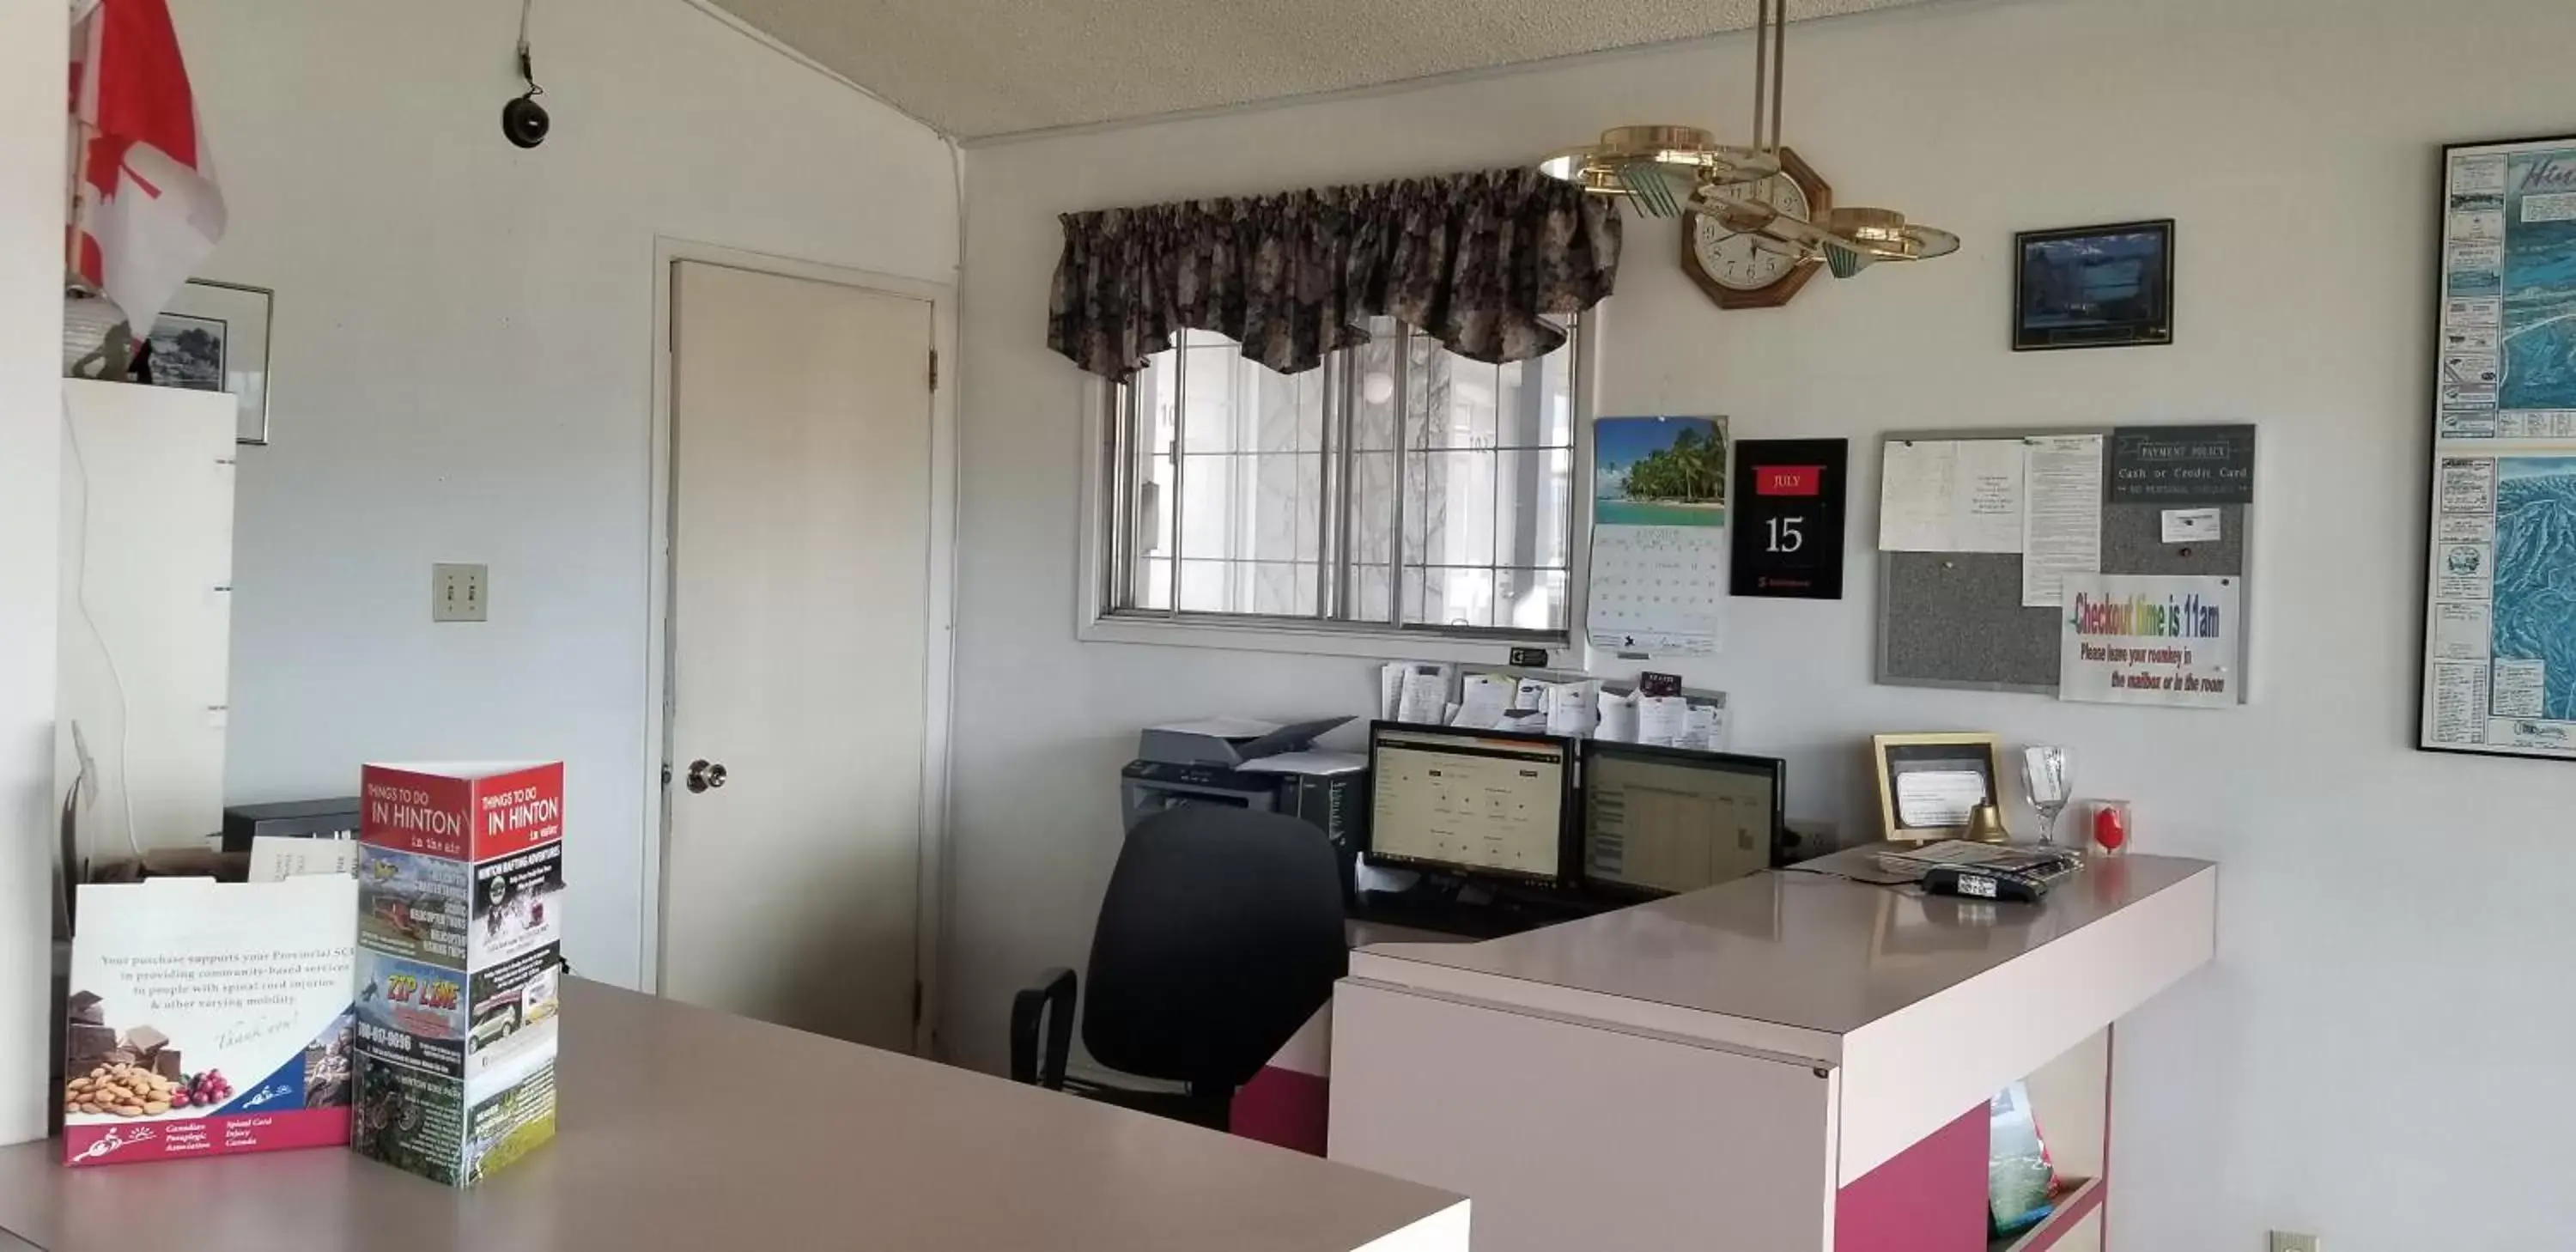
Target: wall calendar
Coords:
[(1657, 582)]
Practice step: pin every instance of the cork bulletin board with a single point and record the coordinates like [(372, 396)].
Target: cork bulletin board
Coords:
[(1956, 619)]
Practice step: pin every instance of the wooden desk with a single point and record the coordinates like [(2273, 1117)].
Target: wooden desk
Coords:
[(1796, 1061), (684, 1128)]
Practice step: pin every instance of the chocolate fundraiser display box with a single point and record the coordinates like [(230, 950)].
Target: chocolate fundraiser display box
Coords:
[(206, 1019), (460, 926)]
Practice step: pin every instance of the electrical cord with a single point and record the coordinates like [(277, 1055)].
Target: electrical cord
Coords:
[(527, 63), (80, 600)]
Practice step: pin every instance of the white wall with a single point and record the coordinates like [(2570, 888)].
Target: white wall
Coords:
[(462, 368), (33, 50), (2378, 1050)]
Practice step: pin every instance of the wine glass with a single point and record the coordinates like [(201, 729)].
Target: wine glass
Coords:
[(2045, 771)]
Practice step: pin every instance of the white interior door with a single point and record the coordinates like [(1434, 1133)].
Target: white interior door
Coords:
[(800, 523)]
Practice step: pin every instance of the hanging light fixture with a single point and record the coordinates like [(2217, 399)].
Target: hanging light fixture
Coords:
[(1849, 239), (1856, 238), (1659, 168)]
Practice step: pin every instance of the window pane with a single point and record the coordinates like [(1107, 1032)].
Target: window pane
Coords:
[(1153, 397), (1154, 585), (1270, 588), (1207, 407), (1455, 512), (1409, 587), (1488, 490), (1252, 506), (1285, 588), (1251, 498), (1235, 405), (1530, 599), (1450, 503), (1463, 396), (1376, 363), (1454, 402), (1531, 495), (1155, 391), (1535, 402), (1373, 510), (1203, 586), (1426, 386), (1372, 593), (1451, 596)]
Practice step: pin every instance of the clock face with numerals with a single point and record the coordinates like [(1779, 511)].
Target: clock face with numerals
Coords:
[(1739, 275), (1731, 258)]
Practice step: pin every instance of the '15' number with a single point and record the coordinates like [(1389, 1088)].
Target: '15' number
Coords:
[(1785, 535)]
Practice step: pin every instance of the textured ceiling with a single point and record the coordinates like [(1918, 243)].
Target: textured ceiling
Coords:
[(980, 68)]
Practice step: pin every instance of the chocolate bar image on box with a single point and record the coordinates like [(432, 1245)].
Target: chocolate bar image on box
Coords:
[(86, 1046), (144, 1039), (166, 1063), (85, 1010)]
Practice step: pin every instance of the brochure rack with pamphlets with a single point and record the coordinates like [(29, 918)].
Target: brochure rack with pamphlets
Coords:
[(460, 925)]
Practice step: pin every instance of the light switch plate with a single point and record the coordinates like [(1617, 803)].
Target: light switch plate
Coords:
[(2285, 1241), (459, 593)]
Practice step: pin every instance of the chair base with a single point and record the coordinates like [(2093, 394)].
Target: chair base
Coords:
[(1198, 1106)]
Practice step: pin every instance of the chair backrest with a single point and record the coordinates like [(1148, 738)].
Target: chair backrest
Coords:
[(1221, 934)]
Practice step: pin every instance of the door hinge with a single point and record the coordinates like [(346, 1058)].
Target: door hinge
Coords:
[(934, 369), (916, 1002)]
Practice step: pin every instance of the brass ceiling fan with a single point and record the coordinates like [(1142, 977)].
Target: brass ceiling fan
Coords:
[(1664, 169)]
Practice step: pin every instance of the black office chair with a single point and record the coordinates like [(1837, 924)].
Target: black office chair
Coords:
[(1220, 936)]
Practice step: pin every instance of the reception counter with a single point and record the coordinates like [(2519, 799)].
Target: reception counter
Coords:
[(1790, 1061), (687, 1129)]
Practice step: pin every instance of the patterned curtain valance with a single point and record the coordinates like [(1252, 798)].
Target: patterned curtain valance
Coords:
[(1476, 261)]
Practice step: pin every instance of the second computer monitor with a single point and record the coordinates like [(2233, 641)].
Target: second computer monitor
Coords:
[(1666, 820), (1479, 802)]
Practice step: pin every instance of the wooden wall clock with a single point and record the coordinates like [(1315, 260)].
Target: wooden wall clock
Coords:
[(1735, 273)]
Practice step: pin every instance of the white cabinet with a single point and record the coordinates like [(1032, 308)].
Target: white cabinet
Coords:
[(146, 636)]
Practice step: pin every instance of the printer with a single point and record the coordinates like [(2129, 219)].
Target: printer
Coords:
[(1247, 764)]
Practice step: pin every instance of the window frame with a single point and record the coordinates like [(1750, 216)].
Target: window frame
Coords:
[(1098, 620)]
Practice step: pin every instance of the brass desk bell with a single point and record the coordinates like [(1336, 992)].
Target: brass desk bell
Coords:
[(1986, 825)]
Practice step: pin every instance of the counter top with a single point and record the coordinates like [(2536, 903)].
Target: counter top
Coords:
[(1804, 951), (684, 1128)]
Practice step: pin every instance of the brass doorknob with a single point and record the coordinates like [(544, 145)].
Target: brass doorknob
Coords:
[(705, 776)]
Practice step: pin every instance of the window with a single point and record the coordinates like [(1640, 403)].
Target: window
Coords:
[(1400, 487)]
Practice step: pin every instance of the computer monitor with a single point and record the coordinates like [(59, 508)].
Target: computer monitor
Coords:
[(1667, 820), (1470, 801)]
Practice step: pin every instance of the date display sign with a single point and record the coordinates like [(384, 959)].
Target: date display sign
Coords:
[(1790, 499)]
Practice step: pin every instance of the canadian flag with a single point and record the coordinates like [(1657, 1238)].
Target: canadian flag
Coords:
[(145, 210)]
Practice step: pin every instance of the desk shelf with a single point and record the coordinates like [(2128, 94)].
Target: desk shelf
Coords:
[(2080, 1199)]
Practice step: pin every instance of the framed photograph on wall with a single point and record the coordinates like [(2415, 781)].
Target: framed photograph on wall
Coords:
[(2093, 286), (214, 337), (1929, 784)]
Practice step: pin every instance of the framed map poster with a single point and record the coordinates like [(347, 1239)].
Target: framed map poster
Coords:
[(2500, 594)]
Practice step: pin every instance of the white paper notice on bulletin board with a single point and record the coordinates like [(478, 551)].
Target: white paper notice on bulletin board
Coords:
[(1658, 570)]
